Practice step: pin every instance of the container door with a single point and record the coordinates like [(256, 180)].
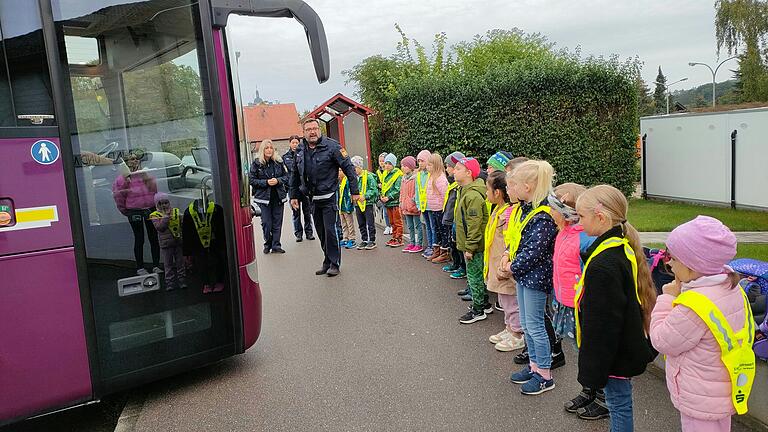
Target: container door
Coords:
[(148, 184), (43, 356)]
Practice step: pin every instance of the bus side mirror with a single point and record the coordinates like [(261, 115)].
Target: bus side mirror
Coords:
[(302, 12)]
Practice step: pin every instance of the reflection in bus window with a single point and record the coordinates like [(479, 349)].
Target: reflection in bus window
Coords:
[(143, 142), (25, 90)]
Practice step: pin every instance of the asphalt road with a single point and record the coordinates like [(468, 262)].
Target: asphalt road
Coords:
[(378, 348)]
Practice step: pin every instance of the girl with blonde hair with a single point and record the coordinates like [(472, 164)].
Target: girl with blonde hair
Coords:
[(531, 245), (613, 303)]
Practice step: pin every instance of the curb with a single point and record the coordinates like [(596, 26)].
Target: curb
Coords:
[(130, 414)]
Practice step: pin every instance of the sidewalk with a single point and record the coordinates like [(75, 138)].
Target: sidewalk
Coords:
[(742, 237)]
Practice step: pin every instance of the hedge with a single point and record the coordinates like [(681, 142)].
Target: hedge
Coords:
[(581, 116)]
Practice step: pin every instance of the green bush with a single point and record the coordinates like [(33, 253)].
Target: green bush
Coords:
[(580, 115)]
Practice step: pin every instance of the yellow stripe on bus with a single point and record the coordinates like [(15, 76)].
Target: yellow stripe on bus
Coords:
[(37, 214)]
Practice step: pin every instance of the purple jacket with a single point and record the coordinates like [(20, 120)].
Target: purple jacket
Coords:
[(134, 192)]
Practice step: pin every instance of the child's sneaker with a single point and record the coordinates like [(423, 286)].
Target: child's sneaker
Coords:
[(522, 376), (463, 292), (362, 245), (537, 385), (417, 249), (343, 244), (522, 358), (370, 246), (595, 410), (450, 268), (584, 398), (498, 337), (467, 297), (398, 243), (459, 274), (390, 243), (142, 272), (408, 248), (498, 307), (488, 308), (510, 343), (472, 316), (351, 244)]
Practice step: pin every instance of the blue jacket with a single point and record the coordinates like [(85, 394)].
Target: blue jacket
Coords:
[(316, 171), (258, 177), (532, 266)]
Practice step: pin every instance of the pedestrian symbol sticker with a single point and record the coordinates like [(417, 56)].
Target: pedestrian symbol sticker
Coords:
[(45, 152)]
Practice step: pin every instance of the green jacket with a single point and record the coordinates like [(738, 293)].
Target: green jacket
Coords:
[(371, 193), (394, 192), (471, 217)]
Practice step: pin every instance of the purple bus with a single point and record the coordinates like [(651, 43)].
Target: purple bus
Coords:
[(126, 237)]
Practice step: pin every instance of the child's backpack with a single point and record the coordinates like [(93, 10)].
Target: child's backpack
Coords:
[(755, 285), (659, 272)]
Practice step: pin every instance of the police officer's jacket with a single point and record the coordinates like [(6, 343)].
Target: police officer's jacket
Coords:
[(316, 171)]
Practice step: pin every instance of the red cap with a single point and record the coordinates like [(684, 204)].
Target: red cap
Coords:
[(472, 165)]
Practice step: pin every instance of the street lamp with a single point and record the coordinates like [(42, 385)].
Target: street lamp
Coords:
[(667, 86), (714, 72)]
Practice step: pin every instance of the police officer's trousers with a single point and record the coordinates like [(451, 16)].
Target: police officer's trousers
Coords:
[(325, 214)]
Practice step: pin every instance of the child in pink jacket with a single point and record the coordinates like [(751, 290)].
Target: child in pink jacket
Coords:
[(698, 382)]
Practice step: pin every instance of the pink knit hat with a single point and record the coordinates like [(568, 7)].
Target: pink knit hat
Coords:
[(703, 245), (408, 161), (424, 155)]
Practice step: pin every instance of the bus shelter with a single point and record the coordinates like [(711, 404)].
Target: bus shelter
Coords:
[(347, 122)]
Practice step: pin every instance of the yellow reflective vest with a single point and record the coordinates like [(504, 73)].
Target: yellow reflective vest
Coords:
[(608, 243), (514, 232), (735, 347)]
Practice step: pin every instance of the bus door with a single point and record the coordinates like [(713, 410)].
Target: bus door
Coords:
[(149, 185), (43, 356)]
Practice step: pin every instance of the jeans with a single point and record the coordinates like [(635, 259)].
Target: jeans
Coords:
[(384, 212), (532, 317), (618, 397), (414, 229), (306, 210), (435, 227), (428, 229), (272, 224), (366, 223), (477, 282)]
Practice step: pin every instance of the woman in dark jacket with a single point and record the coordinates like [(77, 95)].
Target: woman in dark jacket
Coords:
[(269, 179)]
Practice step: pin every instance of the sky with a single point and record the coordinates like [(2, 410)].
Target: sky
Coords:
[(275, 57)]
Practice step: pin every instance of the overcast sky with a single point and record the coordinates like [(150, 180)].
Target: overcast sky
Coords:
[(275, 57)]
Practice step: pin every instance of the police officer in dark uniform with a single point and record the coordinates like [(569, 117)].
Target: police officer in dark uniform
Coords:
[(316, 175)]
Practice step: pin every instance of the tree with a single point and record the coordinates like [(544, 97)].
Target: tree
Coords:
[(744, 23), (645, 104), (660, 93)]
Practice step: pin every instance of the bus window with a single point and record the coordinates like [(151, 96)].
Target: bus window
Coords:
[(25, 90), (143, 138)]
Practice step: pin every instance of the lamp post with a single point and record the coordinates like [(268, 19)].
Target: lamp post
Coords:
[(667, 86), (714, 72)]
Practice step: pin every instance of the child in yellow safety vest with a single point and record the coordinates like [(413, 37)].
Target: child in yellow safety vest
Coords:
[(613, 303), (531, 245), (167, 222), (703, 324), (422, 178), (497, 277), (346, 214), (369, 189)]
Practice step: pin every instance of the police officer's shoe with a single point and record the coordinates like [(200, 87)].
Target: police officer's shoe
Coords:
[(299, 239), (333, 271), (310, 237), (322, 271), (278, 250), (267, 249)]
